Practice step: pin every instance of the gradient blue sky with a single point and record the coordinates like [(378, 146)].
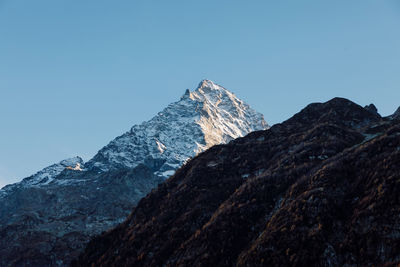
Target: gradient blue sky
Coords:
[(75, 74)]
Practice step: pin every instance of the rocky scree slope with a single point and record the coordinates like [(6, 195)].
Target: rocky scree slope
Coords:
[(47, 218), (318, 189)]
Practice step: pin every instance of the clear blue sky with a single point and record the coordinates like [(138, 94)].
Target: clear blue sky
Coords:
[(75, 74)]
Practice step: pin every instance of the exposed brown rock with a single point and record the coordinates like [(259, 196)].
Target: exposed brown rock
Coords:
[(319, 189)]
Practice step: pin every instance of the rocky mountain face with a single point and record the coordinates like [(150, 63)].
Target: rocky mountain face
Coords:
[(208, 116), (396, 114), (320, 189), (45, 176), (371, 108), (46, 219)]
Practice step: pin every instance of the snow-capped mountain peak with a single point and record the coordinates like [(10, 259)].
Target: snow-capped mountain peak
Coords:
[(207, 116)]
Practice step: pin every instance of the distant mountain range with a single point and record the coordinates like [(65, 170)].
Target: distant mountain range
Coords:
[(320, 189), (47, 218)]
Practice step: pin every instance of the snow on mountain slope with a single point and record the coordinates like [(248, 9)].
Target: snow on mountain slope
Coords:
[(46, 175), (208, 116)]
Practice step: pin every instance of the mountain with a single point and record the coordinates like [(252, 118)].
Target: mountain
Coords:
[(371, 108), (47, 218), (208, 116), (396, 114), (45, 176), (320, 189)]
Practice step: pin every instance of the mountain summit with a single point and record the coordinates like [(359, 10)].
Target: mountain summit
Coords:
[(208, 116), (47, 218)]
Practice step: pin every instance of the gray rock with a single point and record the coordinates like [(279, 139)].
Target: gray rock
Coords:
[(371, 108), (396, 114)]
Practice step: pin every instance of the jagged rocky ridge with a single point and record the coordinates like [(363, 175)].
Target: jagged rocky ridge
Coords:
[(46, 219), (208, 116), (396, 114), (45, 176), (320, 189)]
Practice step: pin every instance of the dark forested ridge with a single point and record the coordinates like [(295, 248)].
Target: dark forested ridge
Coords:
[(321, 188)]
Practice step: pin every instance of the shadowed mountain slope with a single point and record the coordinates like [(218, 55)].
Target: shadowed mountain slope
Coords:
[(319, 189)]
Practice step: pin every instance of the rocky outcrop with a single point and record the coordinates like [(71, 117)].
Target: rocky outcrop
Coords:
[(320, 189), (46, 219), (371, 108), (396, 114)]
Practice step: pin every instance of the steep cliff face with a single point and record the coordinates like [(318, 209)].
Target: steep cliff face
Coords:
[(47, 218), (319, 189)]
